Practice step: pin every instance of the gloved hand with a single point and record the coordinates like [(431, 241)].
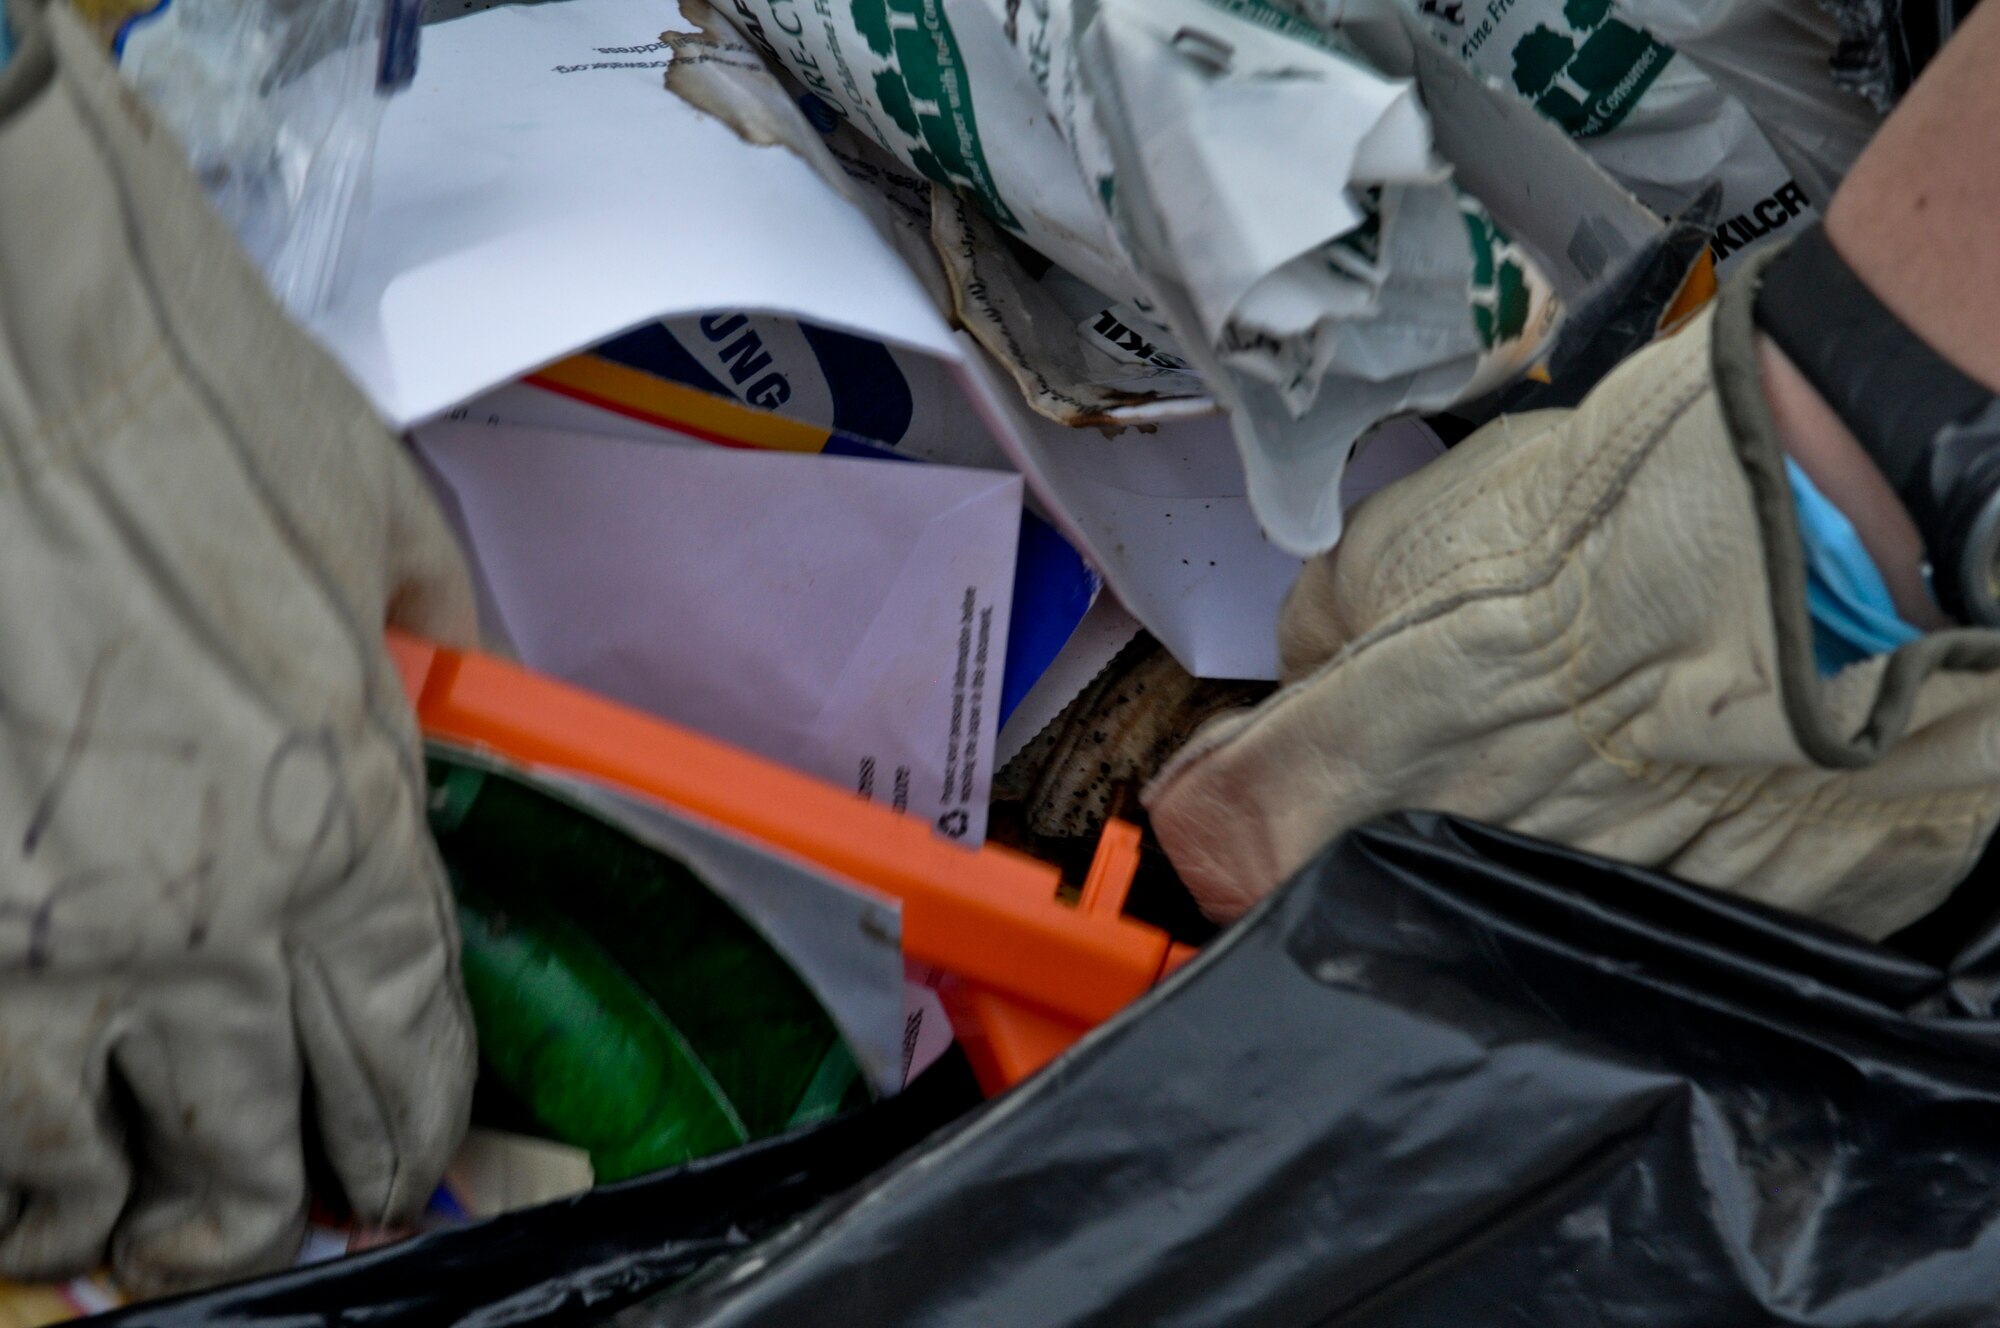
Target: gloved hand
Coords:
[(216, 886), (1591, 626)]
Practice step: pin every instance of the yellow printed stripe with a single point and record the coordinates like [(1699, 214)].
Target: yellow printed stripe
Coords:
[(627, 391)]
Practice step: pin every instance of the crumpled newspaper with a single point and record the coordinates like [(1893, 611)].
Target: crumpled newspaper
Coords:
[(1650, 116), (1169, 196)]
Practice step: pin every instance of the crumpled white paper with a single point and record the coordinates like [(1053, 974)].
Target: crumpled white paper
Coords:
[(1230, 171)]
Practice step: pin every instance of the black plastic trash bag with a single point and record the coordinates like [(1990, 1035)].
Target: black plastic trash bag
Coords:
[(574, 1261), (1453, 1076)]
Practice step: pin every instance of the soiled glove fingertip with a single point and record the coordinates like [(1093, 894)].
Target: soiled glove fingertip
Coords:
[(392, 1065), (203, 1249), (432, 1139), (50, 1239)]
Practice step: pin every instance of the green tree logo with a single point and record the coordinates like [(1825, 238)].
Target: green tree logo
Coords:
[(872, 18), (895, 99), (1540, 59), (1588, 78), (923, 87)]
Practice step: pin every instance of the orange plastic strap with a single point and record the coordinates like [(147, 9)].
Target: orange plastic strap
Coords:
[(990, 916)]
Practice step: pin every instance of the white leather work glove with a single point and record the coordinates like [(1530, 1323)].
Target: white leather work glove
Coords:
[(218, 898), (1591, 626)]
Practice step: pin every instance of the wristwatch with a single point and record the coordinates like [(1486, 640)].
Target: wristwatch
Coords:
[(1933, 431)]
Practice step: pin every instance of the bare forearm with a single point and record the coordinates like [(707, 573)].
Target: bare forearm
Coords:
[(1918, 220), (1918, 217)]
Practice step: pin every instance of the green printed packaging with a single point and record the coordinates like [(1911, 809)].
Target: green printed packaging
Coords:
[(1256, 206), (1648, 115)]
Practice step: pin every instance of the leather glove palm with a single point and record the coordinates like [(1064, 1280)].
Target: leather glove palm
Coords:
[(1591, 626), (216, 887)]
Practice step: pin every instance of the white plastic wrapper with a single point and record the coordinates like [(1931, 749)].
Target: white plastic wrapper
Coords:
[(1651, 117), (1215, 167), (277, 103), (1776, 58)]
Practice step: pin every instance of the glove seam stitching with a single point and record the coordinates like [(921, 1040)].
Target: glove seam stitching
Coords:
[(1619, 451), (198, 375), (306, 962), (1823, 805), (108, 408), (1409, 612), (1411, 615)]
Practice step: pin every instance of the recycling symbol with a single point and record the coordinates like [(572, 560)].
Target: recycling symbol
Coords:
[(954, 823)]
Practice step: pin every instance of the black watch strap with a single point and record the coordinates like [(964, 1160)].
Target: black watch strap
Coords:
[(1894, 392)]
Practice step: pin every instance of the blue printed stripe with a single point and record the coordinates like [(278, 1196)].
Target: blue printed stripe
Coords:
[(1053, 587), (652, 349), (871, 398)]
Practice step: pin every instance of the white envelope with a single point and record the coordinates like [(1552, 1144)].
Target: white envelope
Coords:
[(1164, 516), (846, 617), (538, 190)]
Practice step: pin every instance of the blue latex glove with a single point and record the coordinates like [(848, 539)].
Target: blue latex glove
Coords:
[(6, 36), (1853, 617)]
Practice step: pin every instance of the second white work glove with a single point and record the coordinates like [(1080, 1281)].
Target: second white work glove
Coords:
[(221, 919), (1591, 626)]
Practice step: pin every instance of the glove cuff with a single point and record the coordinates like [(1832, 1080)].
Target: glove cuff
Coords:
[(1739, 385)]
